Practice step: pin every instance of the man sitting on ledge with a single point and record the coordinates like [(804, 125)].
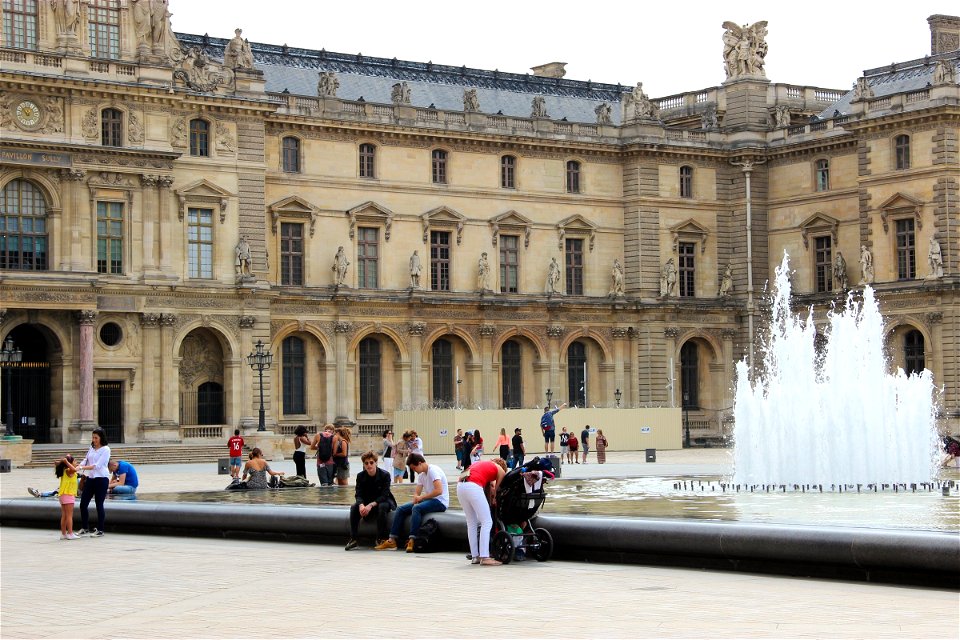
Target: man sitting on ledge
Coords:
[(374, 499), (124, 480), (431, 495)]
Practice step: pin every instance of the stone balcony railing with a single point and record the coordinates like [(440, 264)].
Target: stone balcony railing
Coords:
[(53, 63)]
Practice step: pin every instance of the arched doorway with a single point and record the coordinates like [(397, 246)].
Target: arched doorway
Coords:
[(201, 379), (27, 385)]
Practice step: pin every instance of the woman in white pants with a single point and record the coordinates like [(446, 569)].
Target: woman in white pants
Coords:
[(474, 493)]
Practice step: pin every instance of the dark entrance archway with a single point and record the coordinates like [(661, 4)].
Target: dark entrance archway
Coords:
[(29, 385)]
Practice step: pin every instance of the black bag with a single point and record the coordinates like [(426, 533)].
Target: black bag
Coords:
[(427, 539), (237, 485), (325, 448), (405, 472), (294, 481)]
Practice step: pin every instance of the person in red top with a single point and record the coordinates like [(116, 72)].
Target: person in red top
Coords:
[(475, 493), (236, 453)]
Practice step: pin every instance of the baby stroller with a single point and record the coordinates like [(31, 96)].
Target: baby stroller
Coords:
[(519, 497)]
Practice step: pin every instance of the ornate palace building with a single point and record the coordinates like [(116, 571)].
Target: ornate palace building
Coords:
[(405, 235)]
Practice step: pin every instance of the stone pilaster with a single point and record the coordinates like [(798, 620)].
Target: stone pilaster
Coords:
[(169, 373), (488, 379), (86, 319), (415, 394), (342, 331), (151, 366)]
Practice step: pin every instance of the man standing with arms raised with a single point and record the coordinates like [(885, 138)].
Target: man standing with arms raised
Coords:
[(549, 427)]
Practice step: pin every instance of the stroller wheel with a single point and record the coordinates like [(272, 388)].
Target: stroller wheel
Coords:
[(501, 547), (544, 545)]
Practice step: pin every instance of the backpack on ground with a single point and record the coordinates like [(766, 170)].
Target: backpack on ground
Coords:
[(294, 481), (427, 539), (325, 448)]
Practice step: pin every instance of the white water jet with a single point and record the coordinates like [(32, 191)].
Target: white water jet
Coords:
[(836, 419)]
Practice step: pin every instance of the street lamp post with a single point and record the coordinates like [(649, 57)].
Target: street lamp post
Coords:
[(549, 397), (616, 396), (686, 420), (258, 361), (10, 354)]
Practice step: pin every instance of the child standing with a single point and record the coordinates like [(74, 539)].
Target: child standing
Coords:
[(68, 496)]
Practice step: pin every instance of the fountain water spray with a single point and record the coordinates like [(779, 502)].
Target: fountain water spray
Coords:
[(835, 418)]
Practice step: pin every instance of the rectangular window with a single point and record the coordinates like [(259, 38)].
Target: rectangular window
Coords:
[(367, 161), (291, 155), (903, 152), (111, 128), (110, 237), (574, 264), (20, 24), (686, 269), (291, 254), (440, 261), (509, 264), (294, 378), (508, 172), (573, 177), (906, 250), (104, 27), (368, 256), (200, 243), (823, 263), (823, 175), (686, 182), (199, 138), (439, 166)]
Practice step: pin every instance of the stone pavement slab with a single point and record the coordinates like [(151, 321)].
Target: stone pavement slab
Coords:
[(133, 586)]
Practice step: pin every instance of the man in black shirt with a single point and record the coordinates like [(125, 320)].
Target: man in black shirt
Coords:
[(374, 499), (585, 442), (518, 449)]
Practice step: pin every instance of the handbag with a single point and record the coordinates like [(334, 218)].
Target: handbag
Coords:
[(405, 472)]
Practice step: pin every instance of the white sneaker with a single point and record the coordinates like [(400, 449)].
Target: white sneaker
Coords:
[(72, 536), (33, 492), (63, 537)]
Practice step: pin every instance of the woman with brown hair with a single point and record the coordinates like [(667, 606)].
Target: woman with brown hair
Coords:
[(256, 469), (504, 444), (341, 454), (475, 492), (601, 443), (400, 453)]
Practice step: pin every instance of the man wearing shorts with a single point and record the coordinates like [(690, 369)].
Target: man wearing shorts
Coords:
[(235, 444), (549, 428), (564, 447)]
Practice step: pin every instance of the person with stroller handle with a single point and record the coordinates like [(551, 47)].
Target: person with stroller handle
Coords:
[(476, 491)]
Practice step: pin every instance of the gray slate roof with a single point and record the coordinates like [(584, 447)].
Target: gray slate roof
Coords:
[(296, 70)]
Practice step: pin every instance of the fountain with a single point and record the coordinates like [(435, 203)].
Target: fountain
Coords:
[(832, 419)]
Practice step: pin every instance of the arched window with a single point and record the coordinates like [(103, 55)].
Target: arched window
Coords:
[(577, 374), (439, 166), (690, 375), (199, 138), (913, 356), (291, 154), (294, 381), (510, 367), (371, 400), (508, 172), (210, 403), (368, 156), (111, 128), (442, 358), (823, 174), (686, 182), (573, 176), (23, 227), (902, 145), (20, 24)]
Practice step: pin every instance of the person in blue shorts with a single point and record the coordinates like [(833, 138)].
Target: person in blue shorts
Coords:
[(549, 428)]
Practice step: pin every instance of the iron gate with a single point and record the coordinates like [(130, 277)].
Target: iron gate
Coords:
[(110, 409), (26, 390)]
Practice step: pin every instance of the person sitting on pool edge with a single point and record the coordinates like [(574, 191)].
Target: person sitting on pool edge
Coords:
[(432, 495), (373, 499)]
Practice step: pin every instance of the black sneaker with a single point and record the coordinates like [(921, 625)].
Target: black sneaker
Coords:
[(351, 545), (96, 533), (83, 533)]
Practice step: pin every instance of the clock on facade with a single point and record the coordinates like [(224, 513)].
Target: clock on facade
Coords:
[(28, 114)]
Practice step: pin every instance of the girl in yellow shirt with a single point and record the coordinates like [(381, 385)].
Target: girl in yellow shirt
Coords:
[(67, 473)]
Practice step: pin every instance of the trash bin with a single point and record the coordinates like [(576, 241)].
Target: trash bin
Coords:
[(555, 461), (223, 466), (5, 465), (651, 455)]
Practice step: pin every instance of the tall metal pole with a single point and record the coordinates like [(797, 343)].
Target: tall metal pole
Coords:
[(262, 424)]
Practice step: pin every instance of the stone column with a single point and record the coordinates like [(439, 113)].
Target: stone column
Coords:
[(554, 378), (242, 377), (169, 374), (620, 344), (70, 218), (670, 349), (148, 212), (149, 416), (165, 183), (86, 319), (342, 331), (727, 335), (489, 380), (414, 396)]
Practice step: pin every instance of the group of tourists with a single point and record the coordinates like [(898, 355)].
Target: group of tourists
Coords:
[(570, 446)]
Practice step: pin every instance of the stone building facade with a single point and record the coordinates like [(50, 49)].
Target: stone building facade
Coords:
[(408, 235)]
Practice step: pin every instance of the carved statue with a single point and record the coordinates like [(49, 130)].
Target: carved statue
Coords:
[(553, 277), (604, 113), (483, 273), (744, 49), (327, 84), (471, 102), (935, 257), (668, 278), (637, 104), (616, 275), (866, 265), (141, 22), (781, 116), (66, 14), (198, 72), (840, 272), (944, 73), (726, 283), (160, 32), (415, 270), (709, 119), (178, 133), (243, 265), (225, 142), (237, 54), (861, 89), (54, 116), (400, 93), (538, 108), (340, 264)]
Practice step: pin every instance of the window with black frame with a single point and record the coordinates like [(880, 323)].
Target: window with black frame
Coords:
[(370, 361), (441, 354)]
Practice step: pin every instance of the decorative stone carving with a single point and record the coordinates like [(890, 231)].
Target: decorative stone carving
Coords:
[(327, 84), (934, 317), (237, 54), (709, 120), (246, 322), (415, 269), (638, 106), (945, 72), (935, 258), (198, 359), (483, 273), (86, 316), (487, 330), (668, 278), (555, 331), (861, 89), (616, 277), (165, 182), (134, 129), (726, 283), (6, 110), (671, 332), (161, 35), (140, 10), (340, 264), (620, 332), (744, 49), (343, 327), (604, 113), (66, 16), (242, 260), (54, 113), (179, 135), (90, 125), (840, 272), (225, 142), (74, 175), (149, 181), (553, 277), (150, 319), (416, 328), (471, 103), (781, 116), (400, 93), (199, 73), (728, 334), (538, 108), (866, 265)]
